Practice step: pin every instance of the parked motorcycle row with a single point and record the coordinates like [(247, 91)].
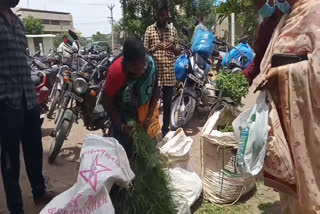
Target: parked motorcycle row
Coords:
[(193, 70), (69, 84)]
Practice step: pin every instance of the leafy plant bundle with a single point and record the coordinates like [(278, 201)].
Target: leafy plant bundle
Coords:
[(234, 86), (151, 192), (226, 128)]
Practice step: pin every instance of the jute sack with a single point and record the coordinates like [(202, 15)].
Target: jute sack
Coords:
[(222, 183)]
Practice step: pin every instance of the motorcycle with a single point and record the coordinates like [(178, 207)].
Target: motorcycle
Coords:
[(195, 91), (40, 80), (235, 65), (81, 99)]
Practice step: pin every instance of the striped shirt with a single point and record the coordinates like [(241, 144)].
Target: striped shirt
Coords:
[(16, 86), (164, 59)]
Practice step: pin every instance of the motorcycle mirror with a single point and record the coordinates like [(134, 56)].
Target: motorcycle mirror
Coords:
[(213, 29), (73, 35)]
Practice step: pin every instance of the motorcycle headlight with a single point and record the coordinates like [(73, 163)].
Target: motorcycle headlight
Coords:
[(198, 72), (80, 85)]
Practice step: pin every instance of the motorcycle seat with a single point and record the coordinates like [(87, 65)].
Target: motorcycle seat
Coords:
[(234, 64), (52, 71), (35, 79), (202, 63)]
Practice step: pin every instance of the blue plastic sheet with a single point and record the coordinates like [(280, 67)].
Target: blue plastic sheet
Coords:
[(235, 54), (180, 68), (203, 43)]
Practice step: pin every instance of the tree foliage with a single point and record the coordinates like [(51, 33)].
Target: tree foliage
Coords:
[(246, 14), (98, 37), (59, 39), (139, 14), (33, 26)]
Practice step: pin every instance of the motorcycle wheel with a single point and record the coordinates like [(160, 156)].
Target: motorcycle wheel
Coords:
[(175, 116), (53, 104), (53, 90), (56, 145)]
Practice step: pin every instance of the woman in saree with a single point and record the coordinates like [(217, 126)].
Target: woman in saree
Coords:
[(131, 93), (292, 164)]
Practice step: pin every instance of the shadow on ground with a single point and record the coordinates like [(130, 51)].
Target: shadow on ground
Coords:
[(270, 208), (46, 131)]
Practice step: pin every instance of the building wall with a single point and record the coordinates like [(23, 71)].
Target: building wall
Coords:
[(47, 44), (223, 30), (52, 22), (31, 45)]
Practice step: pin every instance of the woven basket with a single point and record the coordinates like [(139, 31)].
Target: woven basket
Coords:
[(222, 184)]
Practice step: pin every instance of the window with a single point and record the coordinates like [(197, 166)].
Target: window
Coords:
[(54, 22), (64, 22), (46, 22)]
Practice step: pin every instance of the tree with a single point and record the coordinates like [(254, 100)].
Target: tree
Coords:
[(101, 37), (59, 39), (33, 25), (246, 14), (139, 14)]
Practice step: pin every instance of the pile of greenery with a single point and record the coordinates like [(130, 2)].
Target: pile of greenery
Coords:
[(234, 86), (226, 128), (151, 192)]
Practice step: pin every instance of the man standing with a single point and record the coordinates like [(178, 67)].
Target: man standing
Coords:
[(19, 113), (161, 41)]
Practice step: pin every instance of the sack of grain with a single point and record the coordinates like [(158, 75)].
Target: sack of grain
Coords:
[(222, 183)]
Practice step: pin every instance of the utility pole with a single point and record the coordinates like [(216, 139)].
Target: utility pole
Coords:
[(28, 4), (111, 6)]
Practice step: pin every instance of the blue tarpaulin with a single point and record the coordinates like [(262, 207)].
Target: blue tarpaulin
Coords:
[(217, 3)]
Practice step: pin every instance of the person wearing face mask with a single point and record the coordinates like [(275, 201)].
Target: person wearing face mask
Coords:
[(19, 113), (270, 12), (290, 75), (131, 84)]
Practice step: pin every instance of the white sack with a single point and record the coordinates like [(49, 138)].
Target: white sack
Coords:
[(103, 163), (186, 183)]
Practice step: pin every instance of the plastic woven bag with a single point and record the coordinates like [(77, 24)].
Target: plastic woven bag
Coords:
[(103, 163), (180, 68), (251, 129), (185, 182), (203, 43)]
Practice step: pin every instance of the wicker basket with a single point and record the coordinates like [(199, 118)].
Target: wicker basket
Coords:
[(222, 184)]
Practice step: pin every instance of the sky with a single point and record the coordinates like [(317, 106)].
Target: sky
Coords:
[(89, 16)]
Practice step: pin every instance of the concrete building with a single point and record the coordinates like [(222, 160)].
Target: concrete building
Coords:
[(54, 22), (42, 43)]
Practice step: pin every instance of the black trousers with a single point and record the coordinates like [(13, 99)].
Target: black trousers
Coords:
[(20, 126), (167, 92)]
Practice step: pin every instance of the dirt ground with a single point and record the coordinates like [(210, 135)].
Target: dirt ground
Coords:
[(63, 174)]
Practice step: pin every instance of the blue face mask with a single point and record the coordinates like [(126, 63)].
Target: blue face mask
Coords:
[(284, 7), (267, 10)]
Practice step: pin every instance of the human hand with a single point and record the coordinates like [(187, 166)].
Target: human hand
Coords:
[(159, 46), (147, 124), (168, 46), (127, 130)]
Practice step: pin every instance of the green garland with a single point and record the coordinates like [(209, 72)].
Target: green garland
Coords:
[(234, 86), (151, 192)]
